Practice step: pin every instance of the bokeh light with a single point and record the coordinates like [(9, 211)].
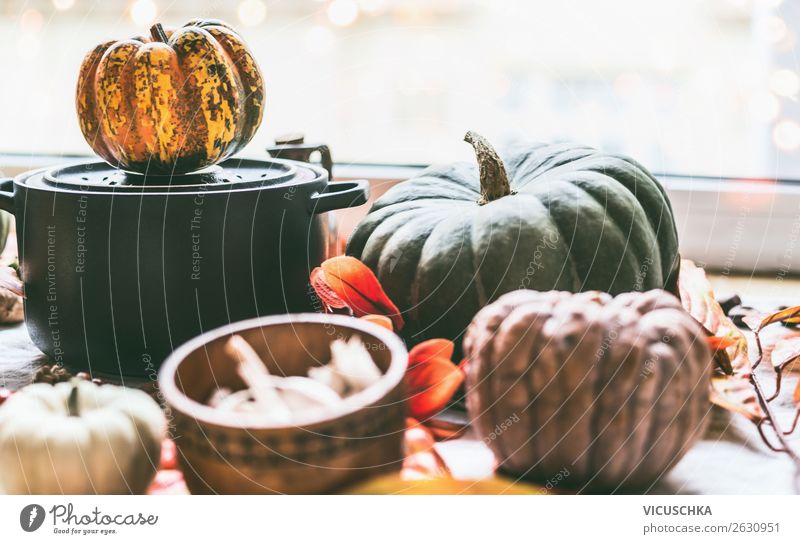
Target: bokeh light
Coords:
[(764, 106), (63, 5), (373, 7), (252, 12), (31, 20), (786, 135), (784, 82), (143, 12), (343, 12)]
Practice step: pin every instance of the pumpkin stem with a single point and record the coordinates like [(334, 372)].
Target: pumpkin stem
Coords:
[(72, 401), (158, 34), (493, 175)]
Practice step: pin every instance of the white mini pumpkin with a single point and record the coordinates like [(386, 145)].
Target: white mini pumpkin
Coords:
[(79, 438)]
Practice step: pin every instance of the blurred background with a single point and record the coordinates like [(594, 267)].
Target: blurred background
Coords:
[(685, 86)]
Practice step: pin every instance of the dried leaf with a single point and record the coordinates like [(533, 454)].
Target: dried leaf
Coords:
[(445, 429), (787, 315), (418, 438), (324, 291), (169, 455), (168, 482), (430, 385), (698, 299), (720, 343), (436, 347), (346, 282), (719, 346), (431, 379), (9, 280), (736, 394), (380, 320), (421, 462), (796, 398), (786, 352)]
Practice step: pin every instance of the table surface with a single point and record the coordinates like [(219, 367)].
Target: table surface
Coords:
[(731, 458)]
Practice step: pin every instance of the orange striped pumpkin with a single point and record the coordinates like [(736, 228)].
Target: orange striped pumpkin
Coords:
[(175, 102)]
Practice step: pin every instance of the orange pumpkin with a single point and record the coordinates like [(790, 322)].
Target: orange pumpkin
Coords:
[(175, 102)]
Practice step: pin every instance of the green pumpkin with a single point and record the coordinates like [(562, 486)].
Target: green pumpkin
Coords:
[(544, 217)]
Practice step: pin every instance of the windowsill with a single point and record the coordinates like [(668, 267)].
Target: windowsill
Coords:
[(743, 226), (12, 164)]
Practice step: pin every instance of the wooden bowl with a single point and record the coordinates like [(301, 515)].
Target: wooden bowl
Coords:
[(232, 453)]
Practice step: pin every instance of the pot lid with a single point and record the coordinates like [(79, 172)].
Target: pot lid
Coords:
[(232, 174)]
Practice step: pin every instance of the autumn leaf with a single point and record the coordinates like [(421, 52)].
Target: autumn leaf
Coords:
[(380, 320), (421, 461), (720, 343), (736, 394), (719, 348), (346, 282), (169, 455), (782, 350), (168, 482), (787, 315), (327, 295), (741, 392), (9, 280), (698, 299), (431, 379), (796, 397), (445, 429), (732, 391), (785, 353), (431, 385), (436, 347)]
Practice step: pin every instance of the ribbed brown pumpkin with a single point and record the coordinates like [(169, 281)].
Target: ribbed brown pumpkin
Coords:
[(613, 390), (172, 103)]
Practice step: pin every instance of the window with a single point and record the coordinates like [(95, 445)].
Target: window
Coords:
[(684, 86)]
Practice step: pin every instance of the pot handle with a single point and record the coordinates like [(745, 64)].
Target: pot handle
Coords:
[(294, 148), (7, 195), (340, 194)]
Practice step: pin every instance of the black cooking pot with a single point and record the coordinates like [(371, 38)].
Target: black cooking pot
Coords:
[(120, 268)]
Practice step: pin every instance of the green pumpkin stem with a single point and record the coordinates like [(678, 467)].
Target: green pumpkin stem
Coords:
[(72, 401), (158, 34), (493, 175)]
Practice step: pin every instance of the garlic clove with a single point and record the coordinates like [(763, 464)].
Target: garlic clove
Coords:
[(327, 375), (235, 401), (218, 396), (255, 374), (354, 364), (315, 392)]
